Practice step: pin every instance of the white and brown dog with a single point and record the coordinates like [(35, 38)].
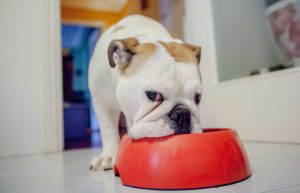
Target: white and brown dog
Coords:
[(140, 70)]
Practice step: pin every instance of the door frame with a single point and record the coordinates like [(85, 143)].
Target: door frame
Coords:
[(53, 92), (53, 140)]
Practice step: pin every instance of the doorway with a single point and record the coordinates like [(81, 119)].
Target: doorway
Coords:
[(81, 129)]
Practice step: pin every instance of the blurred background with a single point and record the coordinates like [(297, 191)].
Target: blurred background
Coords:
[(250, 67)]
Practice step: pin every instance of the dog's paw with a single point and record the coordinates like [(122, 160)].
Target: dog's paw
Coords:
[(106, 160), (102, 163)]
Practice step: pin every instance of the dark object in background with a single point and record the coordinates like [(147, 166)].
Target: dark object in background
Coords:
[(144, 4), (254, 72), (78, 97), (76, 120), (122, 125), (270, 2), (69, 94), (67, 77), (277, 67), (273, 68)]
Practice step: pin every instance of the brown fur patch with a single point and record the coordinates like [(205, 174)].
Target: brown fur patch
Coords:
[(142, 54), (127, 44), (130, 44), (173, 35), (183, 52)]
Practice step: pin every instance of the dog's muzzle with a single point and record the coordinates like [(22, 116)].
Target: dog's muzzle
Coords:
[(181, 117)]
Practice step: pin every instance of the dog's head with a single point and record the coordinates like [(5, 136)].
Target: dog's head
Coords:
[(160, 86)]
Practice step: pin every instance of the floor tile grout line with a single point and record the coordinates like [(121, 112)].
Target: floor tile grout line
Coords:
[(287, 187)]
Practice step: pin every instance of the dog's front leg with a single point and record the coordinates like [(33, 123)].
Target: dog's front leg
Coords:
[(108, 120)]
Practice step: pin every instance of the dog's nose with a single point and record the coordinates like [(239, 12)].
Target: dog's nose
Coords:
[(182, 117)]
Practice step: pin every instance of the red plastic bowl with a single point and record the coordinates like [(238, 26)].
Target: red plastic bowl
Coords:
[(213, 158)]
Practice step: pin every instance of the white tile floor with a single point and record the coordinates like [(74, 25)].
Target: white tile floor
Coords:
[(275, 167)]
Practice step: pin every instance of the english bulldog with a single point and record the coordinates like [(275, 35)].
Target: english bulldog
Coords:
[(139, 69)]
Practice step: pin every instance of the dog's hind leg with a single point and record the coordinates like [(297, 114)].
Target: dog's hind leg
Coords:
[(108, 119)]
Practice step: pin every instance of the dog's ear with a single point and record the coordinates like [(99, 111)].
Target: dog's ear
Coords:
[(196, 51), (121, 52)]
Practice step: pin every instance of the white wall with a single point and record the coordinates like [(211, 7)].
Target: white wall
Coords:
[(243, 44), (24, 111), (264, 108)]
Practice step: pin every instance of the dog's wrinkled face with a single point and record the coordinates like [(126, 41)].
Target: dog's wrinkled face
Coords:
[(160, 88)]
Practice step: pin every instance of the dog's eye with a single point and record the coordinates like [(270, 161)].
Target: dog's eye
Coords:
[(197, 98), (154, 95)]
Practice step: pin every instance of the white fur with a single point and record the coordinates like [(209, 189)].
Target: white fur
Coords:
[(113, 93)]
